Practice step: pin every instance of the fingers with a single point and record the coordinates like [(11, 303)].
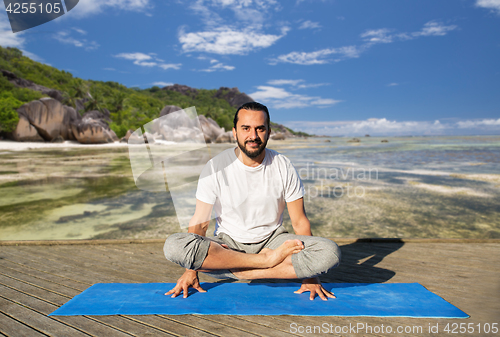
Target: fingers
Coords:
[(199, 288), (176, 291), (320, 291)]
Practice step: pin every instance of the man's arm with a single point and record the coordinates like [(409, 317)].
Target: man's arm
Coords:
[(198, 225), (302, 226)]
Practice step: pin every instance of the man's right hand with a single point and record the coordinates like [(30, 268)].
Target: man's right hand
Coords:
[(188, 279)]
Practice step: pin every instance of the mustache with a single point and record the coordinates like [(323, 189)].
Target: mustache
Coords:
[(257, 141)]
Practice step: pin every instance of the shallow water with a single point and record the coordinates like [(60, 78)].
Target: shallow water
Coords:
[(414, 187)]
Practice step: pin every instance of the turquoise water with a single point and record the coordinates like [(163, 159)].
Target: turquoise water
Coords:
[(414, 187)]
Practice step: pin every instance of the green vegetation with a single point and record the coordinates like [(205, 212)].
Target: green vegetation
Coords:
[(130, 108)]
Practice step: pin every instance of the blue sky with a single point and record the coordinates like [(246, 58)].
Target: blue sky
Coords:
[(333, 67)]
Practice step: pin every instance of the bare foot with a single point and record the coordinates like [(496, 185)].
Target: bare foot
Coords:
[(276, 256)]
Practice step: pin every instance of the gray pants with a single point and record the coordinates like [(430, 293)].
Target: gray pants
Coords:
[(318, 256)]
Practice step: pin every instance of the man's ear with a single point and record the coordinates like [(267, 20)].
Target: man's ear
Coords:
[(234, 134)]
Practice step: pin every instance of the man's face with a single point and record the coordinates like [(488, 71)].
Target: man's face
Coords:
[(251, 132)]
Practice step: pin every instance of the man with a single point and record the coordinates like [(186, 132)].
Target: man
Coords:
[(249, 186)]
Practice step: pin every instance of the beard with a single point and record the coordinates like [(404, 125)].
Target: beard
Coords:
[(254, 153)]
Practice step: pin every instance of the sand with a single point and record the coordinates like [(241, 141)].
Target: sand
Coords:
[(9, 145)]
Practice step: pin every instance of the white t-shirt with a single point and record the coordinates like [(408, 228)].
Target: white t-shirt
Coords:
[(249, 201)]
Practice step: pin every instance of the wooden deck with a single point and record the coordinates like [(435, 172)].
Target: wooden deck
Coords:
[(36, 279)]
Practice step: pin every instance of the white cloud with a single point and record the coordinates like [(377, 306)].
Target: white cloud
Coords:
[(279, 98), (310, 25), (385, 127), (148, 60), (34, 57), (296, 84), (89, 7), (384, 35), (433, 28), (371, 37), (7, 37), (393, 84), (162, 84), (377, 36), (217, 66), (243, 34), (479, 123), (252, 12), (489, 4), (285, 82), (136, 57), (317, 57), (227, 41), (81, 31), (64, 37), (166, 66)]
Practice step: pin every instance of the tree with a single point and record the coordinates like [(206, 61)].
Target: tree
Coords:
[(8, 114)]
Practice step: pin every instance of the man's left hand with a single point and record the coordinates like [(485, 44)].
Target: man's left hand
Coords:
[(313, 285)]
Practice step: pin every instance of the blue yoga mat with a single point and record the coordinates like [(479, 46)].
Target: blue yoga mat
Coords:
[(353, 299)]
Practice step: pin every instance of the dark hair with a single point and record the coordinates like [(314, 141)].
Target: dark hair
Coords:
[(253, 106)]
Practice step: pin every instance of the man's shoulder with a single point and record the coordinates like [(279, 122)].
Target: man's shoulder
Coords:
[(277, 157), (224, 158)]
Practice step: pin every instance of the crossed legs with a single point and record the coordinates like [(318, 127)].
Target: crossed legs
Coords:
[(283, 255)]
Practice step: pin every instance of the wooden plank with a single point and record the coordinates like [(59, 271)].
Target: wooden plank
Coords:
[(130, 263), (57, 268), (245, 326), (174, 328), (9, 266), (102, 273), (97, 266), (206, 324), (42, 323), (31, 297), (131, 326), (11, 327)]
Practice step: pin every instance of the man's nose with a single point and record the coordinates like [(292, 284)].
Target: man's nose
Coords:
[(254, 134)]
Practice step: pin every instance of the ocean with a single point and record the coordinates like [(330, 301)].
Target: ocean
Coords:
[(407, 187)]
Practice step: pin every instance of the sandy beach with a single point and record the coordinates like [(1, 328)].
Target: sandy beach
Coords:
[(9, 145)]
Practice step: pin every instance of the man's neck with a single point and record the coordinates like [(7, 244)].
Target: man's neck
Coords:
[(252, 162)]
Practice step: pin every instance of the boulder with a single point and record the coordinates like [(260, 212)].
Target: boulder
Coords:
[(127, 136), (92, 131), (182, 89), (384, 141), (58, 139), (95, 114), (278, 136), (226, 137), (354, 140), (49, 117), (134, 139), (233, 96), (210, 128), (149, 138), (169, 109), (23, 83), (25, 132)]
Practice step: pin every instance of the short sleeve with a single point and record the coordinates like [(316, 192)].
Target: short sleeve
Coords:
[(294, 189), (206, 191)]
